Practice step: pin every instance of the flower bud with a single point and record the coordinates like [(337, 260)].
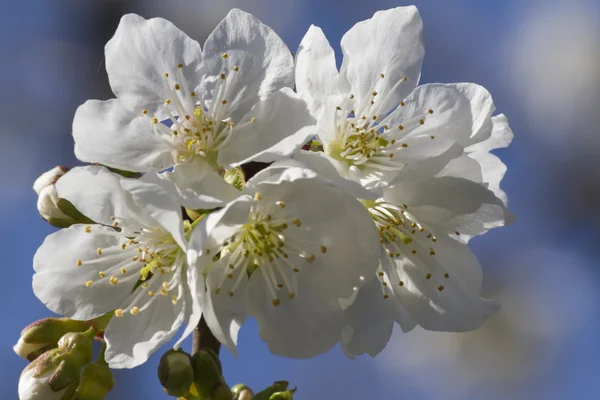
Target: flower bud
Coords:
[(207, 372), (241, 392), (277, 391), (175, 372), (44, 335), (287, 395), (48, 208), (49, 178), (96, 381)]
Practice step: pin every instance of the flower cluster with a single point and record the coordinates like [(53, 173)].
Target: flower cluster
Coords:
[(372, 188)]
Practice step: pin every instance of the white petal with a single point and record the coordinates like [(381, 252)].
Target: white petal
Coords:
[(492, 170), (316, 73), (225, 313), (160, 203), (194, 292), (217, 226), (61, 284), (501, 136), (97, 193), (369, 322), (482, 108), (428, 167), (282, 125), (446, 118), (457, 307), (451, 205), (131, 339), (198, 185), (139, 55), (264, 63), (389, 43), (106, 132), (302, 327), (326, 168)]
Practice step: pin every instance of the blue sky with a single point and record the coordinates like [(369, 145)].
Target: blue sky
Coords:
[(52, 62)]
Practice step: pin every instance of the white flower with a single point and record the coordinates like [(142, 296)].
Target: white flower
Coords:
[(222, 106), (290, 246), (33, 387), (131, 262), (49, 178), (373, 120)]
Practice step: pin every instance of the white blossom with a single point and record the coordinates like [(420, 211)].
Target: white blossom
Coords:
[(131, 262)]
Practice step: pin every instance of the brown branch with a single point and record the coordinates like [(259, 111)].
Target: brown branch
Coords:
[(204, 339)]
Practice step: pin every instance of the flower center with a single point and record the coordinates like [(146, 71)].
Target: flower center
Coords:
[(195, 126), (148, 256), (365, 139), (265, 243), (400, 234)]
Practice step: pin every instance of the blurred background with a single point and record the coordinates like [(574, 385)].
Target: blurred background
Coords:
[(540, 59)]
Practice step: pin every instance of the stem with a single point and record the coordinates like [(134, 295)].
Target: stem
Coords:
[(204, 339)]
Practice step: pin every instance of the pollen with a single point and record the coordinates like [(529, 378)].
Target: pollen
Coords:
[(224, 56), (402, 104), (79, 263), (236, 68), (144, 111), (180, 66), (323, 249), (428, 276), (150, 293), (101, 274), (155, 120), (404, 145), (430, 111), (174, 300), (222, 76), (297, 222), (134, 310), (276, 302), (401, 283), (440, 288), (168, 101), (253, 119), (446, 276), (113, 280), (177, 87), (164, 292), (123, 271), (311, 258), (422, 122), (166, 74), (119, 313), (280, 204), (401, 127), (88, 283), (257, 196), (374, 94)]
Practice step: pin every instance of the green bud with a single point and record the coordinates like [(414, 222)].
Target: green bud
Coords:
[(242, 392), (52, 376), (175, 372), (43, 335), (207, 372), (78, 346), (287, 395), (275, 388), (96, 381), (235, 177)]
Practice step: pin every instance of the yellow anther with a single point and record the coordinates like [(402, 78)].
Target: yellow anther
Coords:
[(276, 302), (421, 122), (180, 66), (323, 249), (440, 288), (223, 101), (382, 75), (253, 119), (154, 121), (123, 246), (257, 196), (385, 296), (405, 79), (177, 87), (89, 283), (291, 295), (279, 285), (119, 313), (311, 258), (144, 285), (144, 111), (446, 275), (338, 108), (150, 293), (430, 111), (236, 68), (193, 94), (222, 76), (391, 155), (295, 270), (99, 252), (457, 233), (168, 101), (432, 252), (175, 133), (218, 290), (428, 276), (374, 117), (187, 117), (79, 263), (166, 74), (280, 204), (297, 222), (134, 310), (404, 145), (174, 300), (402, 104), (401, 127), (166, 285), (101, 274), (123, 271), (374, 94), (401, 283), (164, 292), (224, 55), (113, 280), (230, 276), (88, 229), (351, 96)]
